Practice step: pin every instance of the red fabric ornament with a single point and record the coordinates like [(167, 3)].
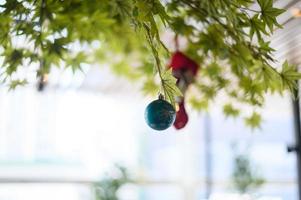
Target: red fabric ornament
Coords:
[(184, 69), (180, 61), (181, 116)]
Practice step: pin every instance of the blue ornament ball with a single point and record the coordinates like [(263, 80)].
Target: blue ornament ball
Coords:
[(160, 115)]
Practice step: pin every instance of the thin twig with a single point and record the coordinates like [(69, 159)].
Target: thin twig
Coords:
[(156, 56)]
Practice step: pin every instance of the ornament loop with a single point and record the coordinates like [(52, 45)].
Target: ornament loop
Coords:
[(161, 97)]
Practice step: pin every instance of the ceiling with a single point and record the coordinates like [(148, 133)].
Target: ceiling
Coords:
[(287, 41)]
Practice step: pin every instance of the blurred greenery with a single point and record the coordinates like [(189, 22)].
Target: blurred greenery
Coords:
[(227, 38), (107, 188), (244, 176)]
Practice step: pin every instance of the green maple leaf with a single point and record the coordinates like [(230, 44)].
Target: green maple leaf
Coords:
[(269, 13), (229, 110), (15, 83), (254, 120), (289, 76), (199, 104), (170, 89), (257, 26)]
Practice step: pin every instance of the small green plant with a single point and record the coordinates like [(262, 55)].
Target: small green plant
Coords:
[(244, 176), (107, 188)]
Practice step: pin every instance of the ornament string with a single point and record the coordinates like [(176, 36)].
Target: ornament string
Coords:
[(176, 40)]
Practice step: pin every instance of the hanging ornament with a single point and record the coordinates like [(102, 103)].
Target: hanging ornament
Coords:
[(181, 117), (160, 114), (185, 70)]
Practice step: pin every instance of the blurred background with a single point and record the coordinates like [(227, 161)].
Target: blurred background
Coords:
[(84, 137), (71, 138)]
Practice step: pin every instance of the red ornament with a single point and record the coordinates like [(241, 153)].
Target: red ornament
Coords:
[(181, 116), (180, 61), (185, 70)]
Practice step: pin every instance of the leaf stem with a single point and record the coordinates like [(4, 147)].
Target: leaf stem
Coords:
[(245, 8)]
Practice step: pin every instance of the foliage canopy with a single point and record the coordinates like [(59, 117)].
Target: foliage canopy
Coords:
[(226, 37)]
